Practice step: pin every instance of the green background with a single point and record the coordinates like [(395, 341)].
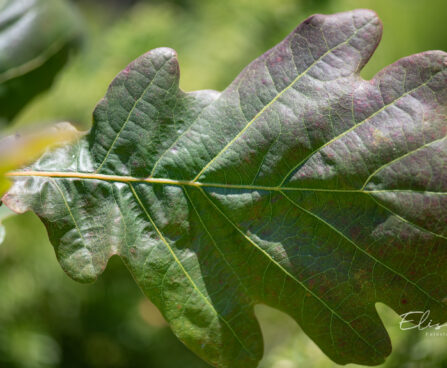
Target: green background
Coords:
[(48, 320)]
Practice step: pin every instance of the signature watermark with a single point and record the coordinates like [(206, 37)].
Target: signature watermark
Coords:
[(421, 321)]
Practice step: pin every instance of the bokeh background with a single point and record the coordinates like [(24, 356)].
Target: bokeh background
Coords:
[(48, 320)]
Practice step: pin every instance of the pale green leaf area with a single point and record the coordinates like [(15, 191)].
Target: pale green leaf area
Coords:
[(301, 186), (21, 149), (4, 214)]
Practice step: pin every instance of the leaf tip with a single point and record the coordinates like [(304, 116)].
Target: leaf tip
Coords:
[(13, 203)]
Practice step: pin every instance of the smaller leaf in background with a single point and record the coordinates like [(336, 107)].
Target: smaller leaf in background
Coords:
[(36, 38), (19, 149)]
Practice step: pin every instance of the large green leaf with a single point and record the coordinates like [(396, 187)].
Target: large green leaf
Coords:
[(36, 37), (301, 186)]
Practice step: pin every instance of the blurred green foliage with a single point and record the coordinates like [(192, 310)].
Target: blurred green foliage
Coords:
[(47, 320)]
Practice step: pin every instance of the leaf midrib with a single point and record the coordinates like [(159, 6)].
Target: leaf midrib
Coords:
[(165, 181), (199, 185)]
